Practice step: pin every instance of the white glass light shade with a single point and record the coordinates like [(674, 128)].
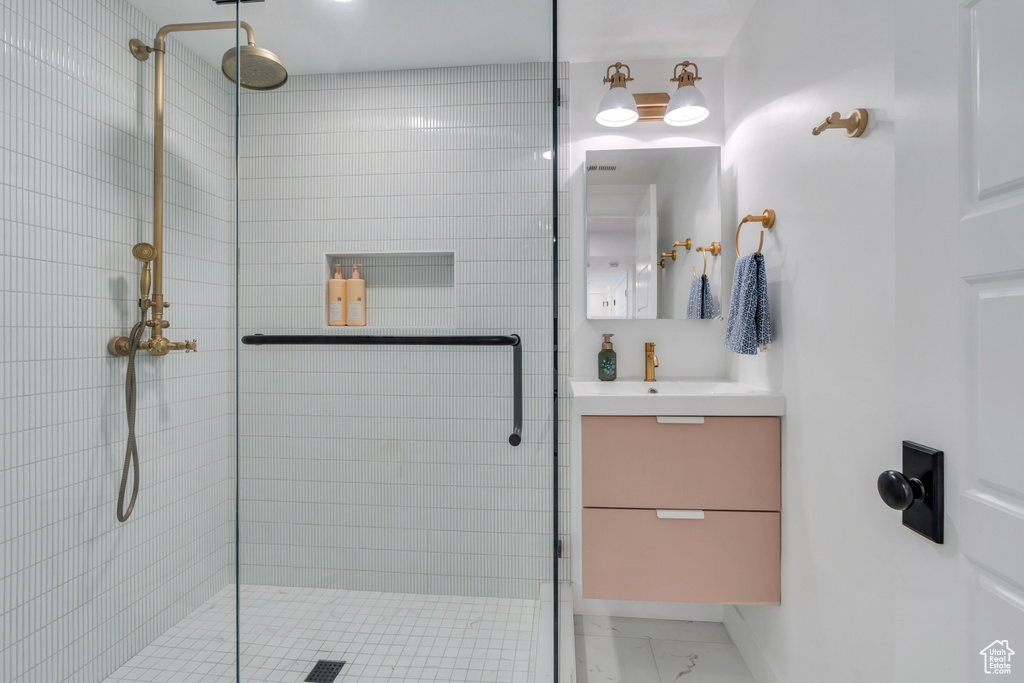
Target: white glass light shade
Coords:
[(618, 108), (686, 107)]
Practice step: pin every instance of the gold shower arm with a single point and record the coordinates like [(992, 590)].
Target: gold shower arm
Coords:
[(205, 26)]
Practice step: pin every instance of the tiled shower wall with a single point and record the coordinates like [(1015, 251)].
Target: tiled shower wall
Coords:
[(81, 593), (388, 468)]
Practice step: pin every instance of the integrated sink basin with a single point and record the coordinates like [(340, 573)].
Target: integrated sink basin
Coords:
[(673, 397)]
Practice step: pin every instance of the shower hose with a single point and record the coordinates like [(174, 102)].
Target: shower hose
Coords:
[(131, 454)]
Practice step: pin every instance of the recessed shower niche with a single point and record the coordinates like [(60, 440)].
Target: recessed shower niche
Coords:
[(403, 289)]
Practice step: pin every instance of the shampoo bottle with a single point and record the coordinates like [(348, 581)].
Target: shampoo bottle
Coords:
[(336, 298), (355, 297), (606, 370)]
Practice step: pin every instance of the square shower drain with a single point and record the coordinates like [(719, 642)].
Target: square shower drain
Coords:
[(324, 672)]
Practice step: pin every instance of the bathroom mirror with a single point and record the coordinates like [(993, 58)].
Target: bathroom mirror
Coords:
[(639, 203)]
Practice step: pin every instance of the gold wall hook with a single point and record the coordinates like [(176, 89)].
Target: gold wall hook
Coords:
[(766, 219), (854, 124), (672, 254)]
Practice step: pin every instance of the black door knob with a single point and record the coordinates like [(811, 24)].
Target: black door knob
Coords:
[(899, 491)]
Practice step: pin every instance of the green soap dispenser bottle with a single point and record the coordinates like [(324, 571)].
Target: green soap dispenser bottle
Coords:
[(606, 362)]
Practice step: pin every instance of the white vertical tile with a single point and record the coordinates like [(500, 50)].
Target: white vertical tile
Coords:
[(389, 468)]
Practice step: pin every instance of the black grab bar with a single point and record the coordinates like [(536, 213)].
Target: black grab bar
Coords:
[(512, 340)]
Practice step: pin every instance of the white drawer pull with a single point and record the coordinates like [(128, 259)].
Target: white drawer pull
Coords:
[(680, 420), (680, 514)]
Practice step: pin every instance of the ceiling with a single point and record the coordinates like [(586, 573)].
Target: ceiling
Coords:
[(325, 36)]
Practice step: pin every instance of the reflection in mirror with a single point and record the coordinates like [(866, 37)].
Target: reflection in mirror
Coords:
[(641, 202)]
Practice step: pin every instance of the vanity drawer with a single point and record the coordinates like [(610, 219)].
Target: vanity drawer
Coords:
[(726, 463), (727, 557)]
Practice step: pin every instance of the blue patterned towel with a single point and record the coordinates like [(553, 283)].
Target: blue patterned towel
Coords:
[(702, 304), (749, 327)]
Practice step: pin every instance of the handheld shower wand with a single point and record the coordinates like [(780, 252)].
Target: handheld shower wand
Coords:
[(143, 252)]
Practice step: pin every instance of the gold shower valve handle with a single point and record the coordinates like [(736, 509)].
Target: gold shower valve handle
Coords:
[(118, 346)]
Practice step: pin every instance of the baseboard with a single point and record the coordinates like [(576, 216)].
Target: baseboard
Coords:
[(748, 646), (676, 611)]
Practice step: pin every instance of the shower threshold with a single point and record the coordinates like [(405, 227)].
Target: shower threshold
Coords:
[(381, 637)]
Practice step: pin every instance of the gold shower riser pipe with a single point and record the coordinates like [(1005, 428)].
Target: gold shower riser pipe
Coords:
[(157, 345), (158, 164)]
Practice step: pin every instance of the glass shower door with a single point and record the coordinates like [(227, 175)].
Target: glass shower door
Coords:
[(389, 529), (96, 590)]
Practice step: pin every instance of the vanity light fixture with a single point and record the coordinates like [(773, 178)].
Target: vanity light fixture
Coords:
[(618, 108), (688, 104)]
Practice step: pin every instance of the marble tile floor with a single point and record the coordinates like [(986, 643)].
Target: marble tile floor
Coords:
[(624, 650), (381, 636)]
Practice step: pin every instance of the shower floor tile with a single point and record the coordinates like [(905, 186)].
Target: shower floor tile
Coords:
[(380, 636)]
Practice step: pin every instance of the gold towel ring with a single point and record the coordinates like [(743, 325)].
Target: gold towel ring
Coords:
[(715, 249), (767, 220)]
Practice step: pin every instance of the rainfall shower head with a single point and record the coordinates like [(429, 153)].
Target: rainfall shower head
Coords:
[(260, 69)]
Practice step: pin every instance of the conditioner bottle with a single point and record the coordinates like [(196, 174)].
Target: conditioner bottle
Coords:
[(355, 296), (336, 298)]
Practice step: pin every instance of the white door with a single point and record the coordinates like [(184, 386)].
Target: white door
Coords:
[(647, 255), (960, 331)]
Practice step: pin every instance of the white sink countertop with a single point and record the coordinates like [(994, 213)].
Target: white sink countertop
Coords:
[(697, 396)]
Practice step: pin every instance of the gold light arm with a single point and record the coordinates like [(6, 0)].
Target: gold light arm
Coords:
[(617, 79), (684, 77)]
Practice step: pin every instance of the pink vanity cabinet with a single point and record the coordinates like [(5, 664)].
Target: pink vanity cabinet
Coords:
[(681, 509)]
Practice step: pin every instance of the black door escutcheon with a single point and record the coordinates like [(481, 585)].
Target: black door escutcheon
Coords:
[(917, 490)]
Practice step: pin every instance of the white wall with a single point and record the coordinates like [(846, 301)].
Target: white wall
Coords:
[(685, 348), (388, 468), (831, 273), (82, 593)]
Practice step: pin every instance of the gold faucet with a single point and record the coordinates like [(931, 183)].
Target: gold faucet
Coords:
[(651, 362)]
